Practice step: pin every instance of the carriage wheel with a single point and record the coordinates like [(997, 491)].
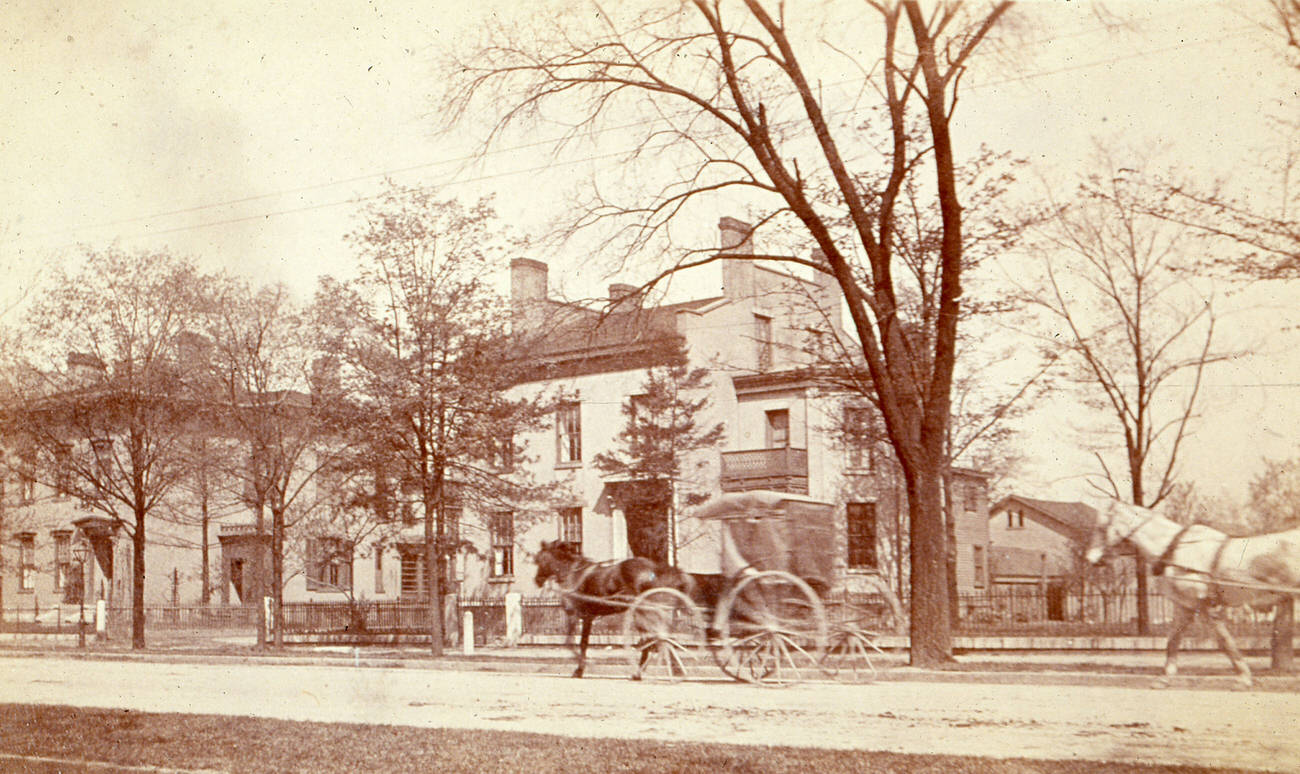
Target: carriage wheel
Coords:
[(771, 630), (853, 631), (662, 635)]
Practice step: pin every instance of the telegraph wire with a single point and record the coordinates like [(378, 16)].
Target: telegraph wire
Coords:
[(1235, 33)]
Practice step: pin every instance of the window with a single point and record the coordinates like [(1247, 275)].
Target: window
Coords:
[(412, 582), (329, 564), (502, 452), (978, 557), (379, 567), (26, 561), (104, 456), (62, 559), (571, 525), (568, 434), (763, 337), (971, 498), (641, 415), (63, 471), (27, 477), (857, 437), (778, 429), (1015, 519), (861, 535), (501, 533)]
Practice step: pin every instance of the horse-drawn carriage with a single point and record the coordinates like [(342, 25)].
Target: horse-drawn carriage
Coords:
[(763, 618)]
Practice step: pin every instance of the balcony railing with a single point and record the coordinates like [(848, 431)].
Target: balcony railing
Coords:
[(783, 470)]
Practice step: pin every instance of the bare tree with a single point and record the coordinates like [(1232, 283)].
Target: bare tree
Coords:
[(730, 93), (112, 420), (261, 364), (425, 351), (1141, 336)]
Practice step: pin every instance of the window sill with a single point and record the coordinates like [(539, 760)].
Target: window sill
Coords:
[(568, 465), (501, 579)]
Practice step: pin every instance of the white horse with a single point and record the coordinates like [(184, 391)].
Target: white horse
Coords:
[(1203, 570)]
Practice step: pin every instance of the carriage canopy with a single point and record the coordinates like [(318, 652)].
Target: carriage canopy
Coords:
[(775, 531)]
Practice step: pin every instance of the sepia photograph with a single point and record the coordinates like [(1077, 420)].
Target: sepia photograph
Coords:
[(761, 386)]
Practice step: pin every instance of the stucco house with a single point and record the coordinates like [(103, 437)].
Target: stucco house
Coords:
[(785, 429)]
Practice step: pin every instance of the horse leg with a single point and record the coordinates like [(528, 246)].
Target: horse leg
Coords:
[(1183, 616), (1229, 646), (582, 647)]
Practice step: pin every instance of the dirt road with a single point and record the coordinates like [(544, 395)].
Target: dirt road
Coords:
[(1253, 730)]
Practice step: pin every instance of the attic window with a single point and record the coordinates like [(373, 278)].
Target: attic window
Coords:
[(1015, 519)]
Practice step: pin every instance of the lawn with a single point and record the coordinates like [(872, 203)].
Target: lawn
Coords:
[(209, 742)]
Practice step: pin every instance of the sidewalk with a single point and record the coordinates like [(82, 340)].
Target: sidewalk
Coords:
[(1198, 670)]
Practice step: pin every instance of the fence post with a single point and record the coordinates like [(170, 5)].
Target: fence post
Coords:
[(467, 633), (268, 609), (514, 618), (101, 619)]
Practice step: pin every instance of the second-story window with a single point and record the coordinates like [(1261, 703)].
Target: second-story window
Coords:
[(857, 437), (568, 434), (63, 470), (502, 452), (763, 338), (778, 429), (1015, 519)]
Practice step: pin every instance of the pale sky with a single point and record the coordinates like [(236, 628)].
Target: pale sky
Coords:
[(238, 132)]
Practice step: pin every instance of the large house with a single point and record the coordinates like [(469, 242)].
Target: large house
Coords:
[(784, 429)]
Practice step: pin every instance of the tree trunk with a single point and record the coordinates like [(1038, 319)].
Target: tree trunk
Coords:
[(950, 555), (931, 630), (205, 595), (137, 581), (277, 573), (1143, 602), (1283, 645), (433, 583)]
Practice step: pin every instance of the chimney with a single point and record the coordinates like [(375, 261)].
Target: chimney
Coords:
[(619, 291), (737, 273), (527, 281), (736, 236), (84, 368)]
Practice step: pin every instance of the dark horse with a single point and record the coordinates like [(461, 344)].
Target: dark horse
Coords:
[(595, 589), (591, 589)]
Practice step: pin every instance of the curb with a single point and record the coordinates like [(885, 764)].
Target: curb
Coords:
[(607, 666)]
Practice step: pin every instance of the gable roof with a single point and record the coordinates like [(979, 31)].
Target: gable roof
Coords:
[(1072, 519)]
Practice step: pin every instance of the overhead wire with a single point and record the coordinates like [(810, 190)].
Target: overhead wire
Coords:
[(1229, 34)]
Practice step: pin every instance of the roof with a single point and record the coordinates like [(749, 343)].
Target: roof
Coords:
[(1077, 518), (580, 340), (1008, 561)]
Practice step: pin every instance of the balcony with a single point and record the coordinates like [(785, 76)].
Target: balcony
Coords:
[(781, 470)]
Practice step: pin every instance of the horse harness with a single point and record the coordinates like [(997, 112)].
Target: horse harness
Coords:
[(1165, 562)]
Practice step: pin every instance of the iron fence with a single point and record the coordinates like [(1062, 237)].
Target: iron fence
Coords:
[(1048, 611)]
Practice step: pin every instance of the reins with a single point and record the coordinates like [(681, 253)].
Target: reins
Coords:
[(580, 576)]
